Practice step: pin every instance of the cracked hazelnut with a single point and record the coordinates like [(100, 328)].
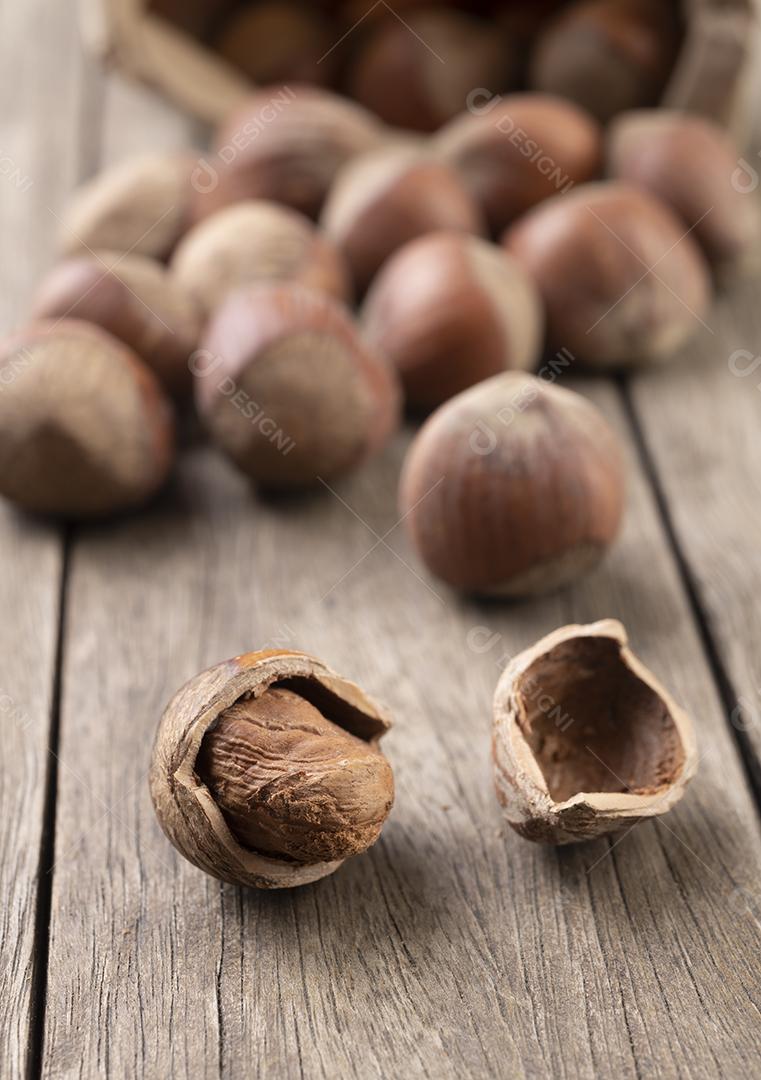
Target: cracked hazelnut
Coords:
[(417, 73), (288, 389), (85, 429), (255, 242), (607, 56), (520, 150), (513, 488), (384, 199), (266, 770), (622, 282), (586, 739), (140, 205), (450, 310), (134, 299), (286, 144), (689, 162)]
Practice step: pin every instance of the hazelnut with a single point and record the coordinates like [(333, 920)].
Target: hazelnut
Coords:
[(513, 488), (140, 205), (384, 199), (607, 56), (85, 429), (278, 40), (266, 770), (134, 299), (688, 162), (622, 281), (586, 739), (288, 389), (520, 150), (255, 242), (418, 72), (286, 144), (450, 310)]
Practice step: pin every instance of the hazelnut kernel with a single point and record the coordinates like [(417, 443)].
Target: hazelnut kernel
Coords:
[(513, 488), (292, 394), (450, 310)]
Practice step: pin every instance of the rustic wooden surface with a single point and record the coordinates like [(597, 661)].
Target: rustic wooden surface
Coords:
[(453, 948)]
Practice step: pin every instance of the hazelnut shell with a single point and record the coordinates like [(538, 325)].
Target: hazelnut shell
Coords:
[(134, 299), (277, 41), (257, 241), (643, 751), (450, 310), (185, 807)]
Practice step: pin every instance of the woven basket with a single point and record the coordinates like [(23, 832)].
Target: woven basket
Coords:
[(160, 42)]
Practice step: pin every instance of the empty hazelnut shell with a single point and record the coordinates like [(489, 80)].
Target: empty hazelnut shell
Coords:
[(586, 739), (622, 280), (689, 162), (252, 242), (85, 429), (385, 199), (134, 299), (513, 488), (286, 144), (140, 205), (266, 770), (520, 150), (450, 310), (289, 390)]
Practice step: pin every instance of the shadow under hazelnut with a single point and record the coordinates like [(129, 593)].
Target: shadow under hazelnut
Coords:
[(593, 726)]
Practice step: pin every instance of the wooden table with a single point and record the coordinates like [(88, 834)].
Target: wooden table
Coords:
[(454, 949)]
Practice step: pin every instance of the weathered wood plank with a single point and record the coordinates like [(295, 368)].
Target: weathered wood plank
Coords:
[(702, 424), (41, 91)]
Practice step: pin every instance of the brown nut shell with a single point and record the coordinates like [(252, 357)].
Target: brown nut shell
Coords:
[(85, 428), (277, 41), (286, 144), (133, 298), (513, 488), (520, 150), (257, 241), (450, 310), (586, 740), (140, 205), (384, 199), (623, 281), (289, 390), (691, 164), (185, 807)]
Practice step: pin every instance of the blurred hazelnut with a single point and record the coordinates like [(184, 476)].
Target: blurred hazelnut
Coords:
[(134, 299), (622, 282), (253, 242), (449, 311), (285, 144), (389, 197), (520, 150), (607, 56), (288, 389), (688, 162), (513, 488), (85, 429), (275, 41), (418, 72), (139, 206)]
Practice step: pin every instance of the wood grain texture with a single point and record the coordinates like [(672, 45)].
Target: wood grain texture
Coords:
[(34, 173), (702, 426)]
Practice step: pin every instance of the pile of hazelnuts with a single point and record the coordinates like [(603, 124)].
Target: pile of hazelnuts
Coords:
[(321, 270)]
